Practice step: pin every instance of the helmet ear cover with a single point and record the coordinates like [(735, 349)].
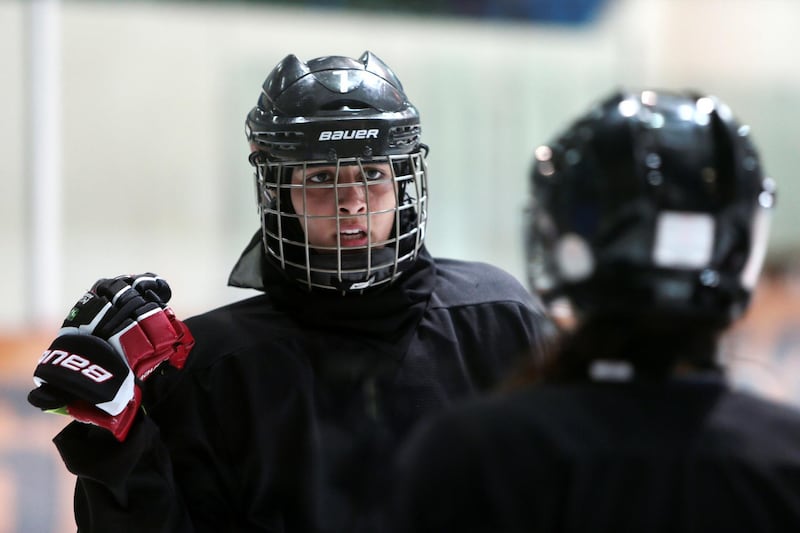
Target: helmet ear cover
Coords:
[(649, 203)]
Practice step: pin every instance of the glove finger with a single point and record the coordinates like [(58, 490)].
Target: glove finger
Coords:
[(163, 337), (120, 293), (184, 343), (136, 345), (158, 328), (109, 287), (48, 398), (155, 337), (125, 300), (153, 287)]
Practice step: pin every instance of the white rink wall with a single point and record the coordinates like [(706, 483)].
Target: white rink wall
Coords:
[(154, 172)]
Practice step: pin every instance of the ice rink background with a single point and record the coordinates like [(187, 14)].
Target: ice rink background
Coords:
[(153, 175)]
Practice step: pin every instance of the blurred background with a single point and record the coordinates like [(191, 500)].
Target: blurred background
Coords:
[(122, 150)]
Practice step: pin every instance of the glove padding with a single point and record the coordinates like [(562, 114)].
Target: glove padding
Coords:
[(131, 312), (84, 376), (116, 334)]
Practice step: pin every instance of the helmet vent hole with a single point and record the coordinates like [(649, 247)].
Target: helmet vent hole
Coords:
[(344, 105)]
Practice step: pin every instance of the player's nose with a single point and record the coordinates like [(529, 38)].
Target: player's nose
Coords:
[(351, 190)]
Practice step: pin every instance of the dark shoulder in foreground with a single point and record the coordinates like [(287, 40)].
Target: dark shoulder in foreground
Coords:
[(473, 282), (740, 422), (771, 426)]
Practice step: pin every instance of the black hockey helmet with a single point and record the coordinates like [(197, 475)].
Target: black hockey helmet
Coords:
[(337, 111), (652, 203)]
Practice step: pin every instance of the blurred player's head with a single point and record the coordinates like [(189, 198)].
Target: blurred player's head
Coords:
[(340, 172), (651, 205)]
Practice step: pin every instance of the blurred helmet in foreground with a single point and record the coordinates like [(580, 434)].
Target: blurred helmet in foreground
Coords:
[(651, 204)]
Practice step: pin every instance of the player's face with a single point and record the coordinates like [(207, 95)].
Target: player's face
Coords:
[(364, 197)]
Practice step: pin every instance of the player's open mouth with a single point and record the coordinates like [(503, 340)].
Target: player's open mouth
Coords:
[(353, 236), (353, 233)]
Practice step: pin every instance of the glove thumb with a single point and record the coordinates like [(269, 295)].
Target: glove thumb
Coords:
[(49, 398)]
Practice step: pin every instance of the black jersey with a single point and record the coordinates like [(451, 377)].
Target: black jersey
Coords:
[(291, 404), (683, 456)]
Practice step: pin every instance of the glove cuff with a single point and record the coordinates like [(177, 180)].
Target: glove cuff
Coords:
[(119, 425)]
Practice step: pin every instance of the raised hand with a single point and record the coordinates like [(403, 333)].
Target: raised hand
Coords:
[(114, 336)]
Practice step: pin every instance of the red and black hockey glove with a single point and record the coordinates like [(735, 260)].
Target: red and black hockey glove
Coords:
[(115, 335)]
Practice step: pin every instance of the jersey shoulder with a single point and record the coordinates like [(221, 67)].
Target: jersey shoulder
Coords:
[(250, 325), (462, 282)]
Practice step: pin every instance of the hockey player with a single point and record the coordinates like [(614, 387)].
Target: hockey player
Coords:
[(648, 221), (281, 412)]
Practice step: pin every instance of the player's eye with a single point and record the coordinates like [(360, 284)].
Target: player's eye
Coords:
[(319, 177), (373, 174)]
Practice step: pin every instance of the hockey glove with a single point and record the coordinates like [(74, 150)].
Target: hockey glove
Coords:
[(116, 334)]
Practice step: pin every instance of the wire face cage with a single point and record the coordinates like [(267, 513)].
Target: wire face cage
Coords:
[(348, 225)]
